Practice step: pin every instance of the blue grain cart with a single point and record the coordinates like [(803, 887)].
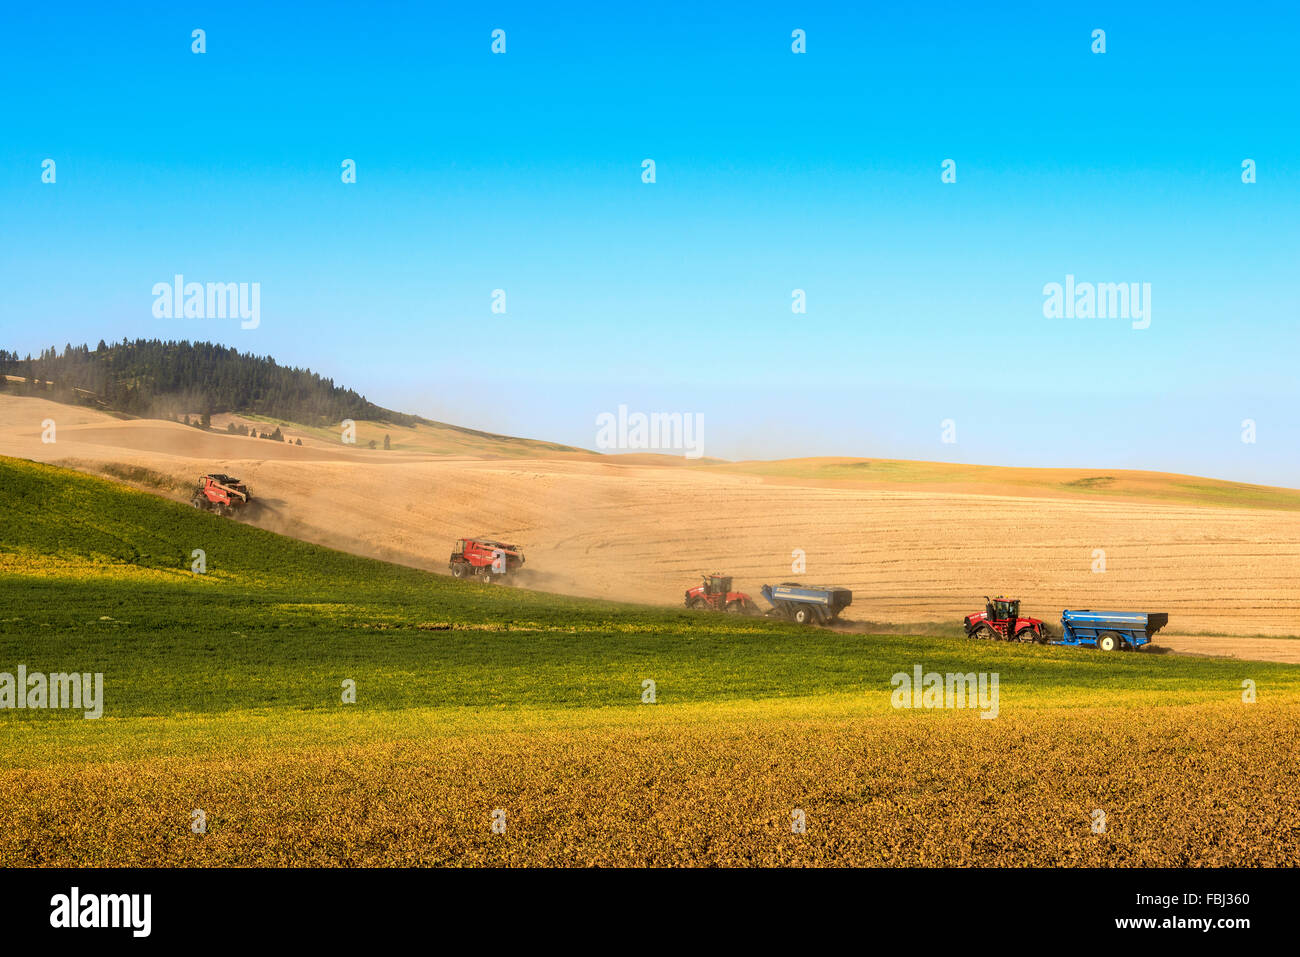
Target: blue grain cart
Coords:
[(1110, 630), (807, 604)]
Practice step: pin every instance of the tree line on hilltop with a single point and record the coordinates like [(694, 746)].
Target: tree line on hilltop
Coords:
[(153, 378)]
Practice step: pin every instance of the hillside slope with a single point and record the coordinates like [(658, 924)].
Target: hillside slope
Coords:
[(616, 527), (1082, 484), (225, 692), (102, 545)]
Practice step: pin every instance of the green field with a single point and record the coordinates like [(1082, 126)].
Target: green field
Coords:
[(223, 692)]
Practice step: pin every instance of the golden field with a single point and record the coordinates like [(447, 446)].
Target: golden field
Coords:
[(919, 543), (225, 693), (1202, 785)]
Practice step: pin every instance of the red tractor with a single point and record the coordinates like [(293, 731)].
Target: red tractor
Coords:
[(220, 493), (1001, 621), (715, 594), (481, 558)]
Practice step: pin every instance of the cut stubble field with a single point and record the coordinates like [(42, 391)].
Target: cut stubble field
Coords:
[(223, 694), (919, 543)]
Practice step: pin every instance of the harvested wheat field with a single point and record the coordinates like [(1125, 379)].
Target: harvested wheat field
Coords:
[(320, 708), (919, 543)]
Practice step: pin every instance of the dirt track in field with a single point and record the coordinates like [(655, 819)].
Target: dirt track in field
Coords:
[(629, 530)]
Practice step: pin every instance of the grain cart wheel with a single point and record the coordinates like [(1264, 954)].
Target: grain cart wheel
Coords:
[(1109, 642), (803, 615)]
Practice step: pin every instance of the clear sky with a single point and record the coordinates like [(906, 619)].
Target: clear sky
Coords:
[(775, 171)]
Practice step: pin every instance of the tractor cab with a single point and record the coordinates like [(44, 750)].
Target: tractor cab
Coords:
[(719, 585), (1004, 609), (1001, 620), (714, 593)]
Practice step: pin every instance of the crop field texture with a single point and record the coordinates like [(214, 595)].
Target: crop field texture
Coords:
[(919, 543), (496, 725)]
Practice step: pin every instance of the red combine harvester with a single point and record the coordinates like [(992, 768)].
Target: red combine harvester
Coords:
[(715, 594), (478, 557), (1001, 621), (221, 494)]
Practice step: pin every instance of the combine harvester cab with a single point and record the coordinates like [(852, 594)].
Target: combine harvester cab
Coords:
[(1110, 630), (807, 604), (481, 558)]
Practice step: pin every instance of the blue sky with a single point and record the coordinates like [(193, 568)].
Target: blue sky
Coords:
[(775, 171)]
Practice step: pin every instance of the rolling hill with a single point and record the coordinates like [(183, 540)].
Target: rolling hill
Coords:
[(919, 544), (224, 693)]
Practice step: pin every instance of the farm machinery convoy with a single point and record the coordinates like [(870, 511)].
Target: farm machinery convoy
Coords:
[(489, 560), (1001, 619), (822, 604), (1105, 630), (803, 604)]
